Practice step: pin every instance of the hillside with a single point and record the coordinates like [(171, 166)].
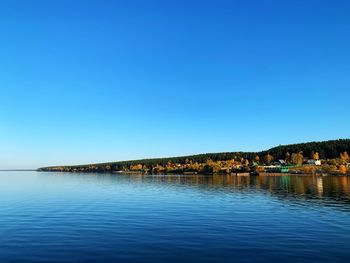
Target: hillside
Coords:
[(214, 162)]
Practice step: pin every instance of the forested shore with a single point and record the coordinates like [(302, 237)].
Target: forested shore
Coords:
[(323, 157)]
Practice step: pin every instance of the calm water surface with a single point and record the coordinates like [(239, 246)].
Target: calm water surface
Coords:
[(58, 217)]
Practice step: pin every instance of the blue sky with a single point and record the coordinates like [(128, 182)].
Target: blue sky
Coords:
[(93, 81)]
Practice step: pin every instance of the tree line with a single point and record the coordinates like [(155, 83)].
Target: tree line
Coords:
[(214, 162)]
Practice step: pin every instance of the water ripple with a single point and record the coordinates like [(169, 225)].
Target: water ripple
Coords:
[(58, 217)]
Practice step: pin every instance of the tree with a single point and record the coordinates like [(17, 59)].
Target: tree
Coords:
[(287, 157), (195, 167), (342, 169), (230, 163), (316, 156), (268, 158), (215, 167), (246, 163), (344, 156), (257, 158), (297, 158)]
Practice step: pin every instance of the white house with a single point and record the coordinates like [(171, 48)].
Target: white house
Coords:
[(314, 162)]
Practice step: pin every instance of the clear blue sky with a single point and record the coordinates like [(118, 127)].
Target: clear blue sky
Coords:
[(93, 81)]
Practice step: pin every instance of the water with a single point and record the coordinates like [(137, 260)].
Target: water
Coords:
[(57, 217)]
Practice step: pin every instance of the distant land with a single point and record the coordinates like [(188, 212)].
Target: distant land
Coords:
[(16, 170), (329, 157)]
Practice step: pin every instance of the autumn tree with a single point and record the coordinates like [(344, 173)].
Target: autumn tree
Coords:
[(315, 156), (195, 167), (257, 158), (216, 167), (137, 167), (246, 163), (230, 163), (344, 156), (342, 169), (297, 158), (268, 158)]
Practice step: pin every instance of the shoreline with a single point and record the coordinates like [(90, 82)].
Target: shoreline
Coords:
[(238, 174)]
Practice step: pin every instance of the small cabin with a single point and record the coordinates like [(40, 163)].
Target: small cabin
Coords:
[(314, 162)]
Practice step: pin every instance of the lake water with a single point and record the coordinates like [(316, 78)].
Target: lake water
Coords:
[(60, 217)]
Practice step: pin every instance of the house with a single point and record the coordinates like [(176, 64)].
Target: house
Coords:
[(282, 162), (314, 162)]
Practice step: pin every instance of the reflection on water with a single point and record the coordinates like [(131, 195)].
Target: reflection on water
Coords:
[(336, 188), (320, 186), (328, 190), (62, 217)]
